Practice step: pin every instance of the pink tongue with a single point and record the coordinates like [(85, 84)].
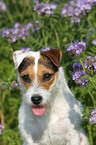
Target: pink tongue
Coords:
[(38, 110)]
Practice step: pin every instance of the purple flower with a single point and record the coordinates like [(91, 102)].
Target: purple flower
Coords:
[(26, 49), (46, 49), (5, 32), (1, 129), (53, 6), (93, 116), (78, 75), (83, 81), (28, 25), (42, 8), (93, 112), (92, 120), (77, 66), (17, 25), (14, 84), (75, 9), (19, 31), (94, 65), (90, 64), (77, 48), (94, 42), (3, 7), (48, 12), (38, 6)]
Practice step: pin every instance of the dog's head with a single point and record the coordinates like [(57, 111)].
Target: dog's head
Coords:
[(37, 74)]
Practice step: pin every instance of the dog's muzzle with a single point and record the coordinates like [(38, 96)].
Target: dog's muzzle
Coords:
[(36, 99), (37, 108)]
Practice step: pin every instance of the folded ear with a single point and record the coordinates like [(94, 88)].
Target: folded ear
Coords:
[(18, 57), (55, 55)]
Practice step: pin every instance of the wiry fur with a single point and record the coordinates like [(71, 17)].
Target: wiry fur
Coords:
[(60, 124)]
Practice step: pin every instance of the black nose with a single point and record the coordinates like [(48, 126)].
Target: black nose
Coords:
[(36, 99)]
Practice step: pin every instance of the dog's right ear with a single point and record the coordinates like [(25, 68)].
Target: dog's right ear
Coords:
[(55, 55), (18, 57)]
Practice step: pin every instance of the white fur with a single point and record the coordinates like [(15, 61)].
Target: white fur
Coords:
[(60, 124), (36, 55), (19, 55)]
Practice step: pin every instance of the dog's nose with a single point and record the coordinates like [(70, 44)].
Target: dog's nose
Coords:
[(36, 99)]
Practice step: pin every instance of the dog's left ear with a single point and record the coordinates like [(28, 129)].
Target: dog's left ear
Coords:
[(18, 56), (55, 55)]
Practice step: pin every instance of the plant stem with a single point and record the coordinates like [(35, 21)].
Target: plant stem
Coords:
[(43, 33), (94, 102), (2, 115), (2, 118), (90, 134), (57, 38), (10, 16)]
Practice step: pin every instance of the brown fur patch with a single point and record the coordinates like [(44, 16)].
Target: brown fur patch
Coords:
[(44, 68), (25, 63), (28, 70), (47, 63)]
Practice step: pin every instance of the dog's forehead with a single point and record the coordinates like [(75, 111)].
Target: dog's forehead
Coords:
[(33, 55), (35, 61), (36, 56), (29, 58)]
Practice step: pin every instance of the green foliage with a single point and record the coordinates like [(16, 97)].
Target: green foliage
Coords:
[(57, 32)]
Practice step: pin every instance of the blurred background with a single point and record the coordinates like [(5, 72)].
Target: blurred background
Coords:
[(33, 25)]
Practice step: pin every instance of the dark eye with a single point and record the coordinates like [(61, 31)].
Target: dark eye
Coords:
[(26, 78), (47, 76)]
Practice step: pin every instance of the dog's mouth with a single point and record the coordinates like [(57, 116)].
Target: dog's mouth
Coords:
[(38, 110)]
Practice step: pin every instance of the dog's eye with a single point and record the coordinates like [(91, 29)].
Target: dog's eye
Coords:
[(47, 76), (26, 78)]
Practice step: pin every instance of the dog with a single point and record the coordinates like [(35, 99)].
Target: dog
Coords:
[(49, 113)]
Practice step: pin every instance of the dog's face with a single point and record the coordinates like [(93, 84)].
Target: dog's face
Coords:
[(37, 72)]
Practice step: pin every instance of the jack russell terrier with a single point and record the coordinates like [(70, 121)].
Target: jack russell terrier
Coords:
[(49, 113)]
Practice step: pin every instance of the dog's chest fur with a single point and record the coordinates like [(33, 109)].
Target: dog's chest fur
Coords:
[(55, 125), (49, 129)]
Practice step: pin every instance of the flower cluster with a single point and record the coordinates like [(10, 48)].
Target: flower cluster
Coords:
[(77, 48), (19, 31), (90, 64), (1, 128), (78, 75), (43, 8), (93, 116), (3, 7), (76, 9)]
